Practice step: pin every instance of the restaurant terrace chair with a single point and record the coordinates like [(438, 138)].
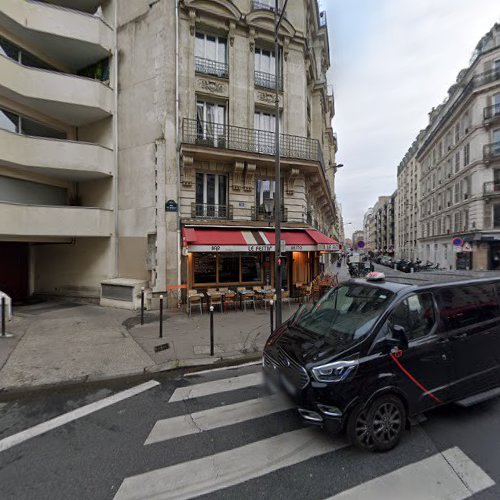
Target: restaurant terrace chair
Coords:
[(194, 298), (215, 298), (249, 298), (307, 293), (230, 299), (285, 297)]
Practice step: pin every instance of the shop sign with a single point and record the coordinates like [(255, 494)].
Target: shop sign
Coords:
[(333, 247), (260, 248), (295, 248)]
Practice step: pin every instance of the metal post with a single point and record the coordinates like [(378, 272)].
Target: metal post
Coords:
[(271, 303), (3, 316), (142, 305), (211, 330), (161, 316), (277, 170)]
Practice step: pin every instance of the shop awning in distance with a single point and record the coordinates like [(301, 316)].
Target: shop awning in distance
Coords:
[(204, 239)]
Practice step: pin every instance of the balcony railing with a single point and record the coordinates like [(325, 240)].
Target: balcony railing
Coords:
[(486, 77), (210, 67), (207, 211), (258, 213), (223, 136), (267, 80), (491, 112), (491, 152)]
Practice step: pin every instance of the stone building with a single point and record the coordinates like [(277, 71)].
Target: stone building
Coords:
[(383, 230), (140, 145), (452, 172)]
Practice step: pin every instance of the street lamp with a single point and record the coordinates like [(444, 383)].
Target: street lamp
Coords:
[(268, 208)]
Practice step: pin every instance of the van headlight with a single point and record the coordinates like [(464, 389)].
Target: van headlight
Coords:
[(335, 372)]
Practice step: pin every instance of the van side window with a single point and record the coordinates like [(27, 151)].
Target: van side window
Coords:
[(467, 305), (415, 314)]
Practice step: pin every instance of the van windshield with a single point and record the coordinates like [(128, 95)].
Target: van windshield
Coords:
[(346, 313)]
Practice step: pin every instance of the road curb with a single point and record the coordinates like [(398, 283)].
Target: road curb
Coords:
[(148, 372)]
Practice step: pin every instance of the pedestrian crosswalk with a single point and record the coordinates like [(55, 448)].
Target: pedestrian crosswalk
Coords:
[(306, 457)]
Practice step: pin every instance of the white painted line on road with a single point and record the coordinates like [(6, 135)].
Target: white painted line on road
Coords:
[(214, 418), (224, 368), (216, 386), (447, 476), (53, 423), (214, 472)]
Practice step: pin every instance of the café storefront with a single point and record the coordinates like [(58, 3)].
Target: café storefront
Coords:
[(220, 257)]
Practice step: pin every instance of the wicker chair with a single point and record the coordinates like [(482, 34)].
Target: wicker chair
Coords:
[(215, 299), (230, 299)]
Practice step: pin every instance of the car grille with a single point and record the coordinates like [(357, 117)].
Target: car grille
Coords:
[(294, 372)]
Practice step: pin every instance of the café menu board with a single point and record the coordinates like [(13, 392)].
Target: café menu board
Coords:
[(205, 268)]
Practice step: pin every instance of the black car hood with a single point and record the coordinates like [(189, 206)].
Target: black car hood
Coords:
[(310, 348)]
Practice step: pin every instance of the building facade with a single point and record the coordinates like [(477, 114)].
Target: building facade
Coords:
[(407, 213), (140, 145), (459, 160), (383, 230), (369, 230)]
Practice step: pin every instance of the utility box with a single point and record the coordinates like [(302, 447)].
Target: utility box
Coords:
[(124, 293), (8, 306)]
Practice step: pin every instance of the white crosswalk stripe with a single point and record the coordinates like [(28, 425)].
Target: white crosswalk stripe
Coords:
[(216, 386), (217, 417), (211, 473), (449, 475)]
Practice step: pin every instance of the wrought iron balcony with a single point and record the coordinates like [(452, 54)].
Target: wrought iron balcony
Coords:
[(210, 67), (223, 136), (267, 80), (491, 188), (258, 213), (207, 211), (491, 152), (487, 77), (491, 113)]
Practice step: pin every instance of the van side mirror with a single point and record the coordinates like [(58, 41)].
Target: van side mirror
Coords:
[(398, 337)]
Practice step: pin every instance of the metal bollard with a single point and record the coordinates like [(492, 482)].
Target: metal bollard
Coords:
[(142, 305), (271, 303), (211, 330), (3, 316), (161, 316)]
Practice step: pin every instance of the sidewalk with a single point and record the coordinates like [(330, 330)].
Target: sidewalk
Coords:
[(68, 343)]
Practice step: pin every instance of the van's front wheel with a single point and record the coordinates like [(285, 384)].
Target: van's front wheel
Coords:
[(386, 420), (358, 429)]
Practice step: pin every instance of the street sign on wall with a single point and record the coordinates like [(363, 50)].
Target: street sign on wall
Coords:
[(458, 242), (466, 247)]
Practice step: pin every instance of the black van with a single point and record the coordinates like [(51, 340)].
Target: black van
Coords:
[(373, 353)]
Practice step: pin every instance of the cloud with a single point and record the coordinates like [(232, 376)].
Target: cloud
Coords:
[(392, 61)]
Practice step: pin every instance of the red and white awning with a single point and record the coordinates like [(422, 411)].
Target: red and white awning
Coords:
[(204, 239)]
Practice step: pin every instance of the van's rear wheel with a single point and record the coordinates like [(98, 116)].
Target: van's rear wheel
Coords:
[(358, 430), (386, 420)]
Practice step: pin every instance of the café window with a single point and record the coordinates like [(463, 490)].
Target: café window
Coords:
[(211, 195), (229, 268), (204, 267), (251, 268)]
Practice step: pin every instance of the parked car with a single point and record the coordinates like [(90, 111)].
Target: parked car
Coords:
[(370, 355)]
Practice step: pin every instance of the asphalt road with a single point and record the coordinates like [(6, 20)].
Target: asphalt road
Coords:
[(220, 435)]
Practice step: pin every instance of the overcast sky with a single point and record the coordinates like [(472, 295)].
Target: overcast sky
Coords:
[(392, 61)]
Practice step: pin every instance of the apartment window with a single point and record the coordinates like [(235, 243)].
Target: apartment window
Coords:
[(434, 157), (466, 220), (211, 195), (12, 51), (496, 216), (457, 192), (211, 55), (265, 69), (457, 162), (264, 125), (448, 141), (466, 154), (457, 132), (449, 168), (210, 123), (22, 125), (265, 189), (438, 226), (440, 150)]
